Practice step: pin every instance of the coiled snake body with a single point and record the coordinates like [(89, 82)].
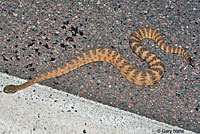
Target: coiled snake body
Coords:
[(133, 74)]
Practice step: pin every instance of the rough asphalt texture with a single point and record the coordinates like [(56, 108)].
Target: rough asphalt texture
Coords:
[(37, 36)]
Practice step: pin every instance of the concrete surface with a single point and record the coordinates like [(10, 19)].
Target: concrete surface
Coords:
[(43, 110)]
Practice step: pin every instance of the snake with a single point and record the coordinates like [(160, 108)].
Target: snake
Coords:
[(150, 76)]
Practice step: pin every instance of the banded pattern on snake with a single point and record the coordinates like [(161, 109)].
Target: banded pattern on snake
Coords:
[(133, 74)]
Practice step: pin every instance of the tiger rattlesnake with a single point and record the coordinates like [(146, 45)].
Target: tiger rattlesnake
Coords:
[(133, 74)]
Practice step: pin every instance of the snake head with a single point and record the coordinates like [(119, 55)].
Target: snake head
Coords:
[(10, 89)]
